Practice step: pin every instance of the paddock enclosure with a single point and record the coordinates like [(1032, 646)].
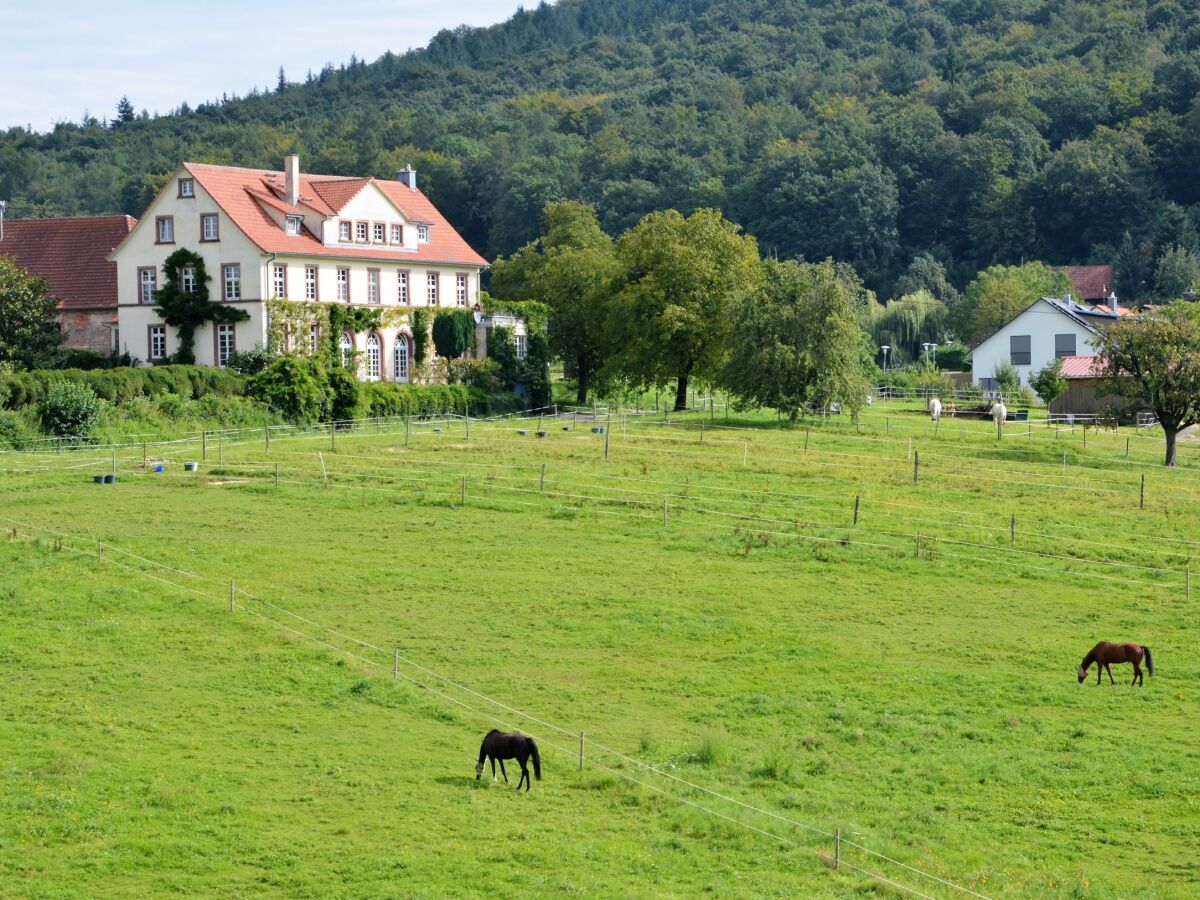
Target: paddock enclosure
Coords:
[(759, 659)]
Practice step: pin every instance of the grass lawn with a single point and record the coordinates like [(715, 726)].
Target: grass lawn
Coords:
[(917, 694)]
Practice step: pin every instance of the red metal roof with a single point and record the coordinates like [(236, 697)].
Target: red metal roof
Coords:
[(240, 193), (71, 254), (1082, 367), (1090, 283)]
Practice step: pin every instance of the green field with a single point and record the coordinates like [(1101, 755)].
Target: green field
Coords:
[(700, 602)]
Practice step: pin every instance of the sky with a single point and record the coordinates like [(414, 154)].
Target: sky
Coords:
[(61, 59)]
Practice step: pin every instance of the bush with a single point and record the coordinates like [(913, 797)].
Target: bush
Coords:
[(953, 357), (382, 398), (480, 373), (502, 347), (537, 370), (70, 409), (18, 389), (453, 332), (15, 432), (251, 362), (298, 389), (1008, 380), (345, 396)]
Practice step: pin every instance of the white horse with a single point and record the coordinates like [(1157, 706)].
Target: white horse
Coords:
[(935, 408), (999, 415)]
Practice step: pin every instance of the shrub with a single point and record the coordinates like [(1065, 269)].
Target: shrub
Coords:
[(15, 432), (1008, 380), (70, 409), (537, 369), (251, 362), (480, 373), (385, 399), (953, 357), (18, 389), (298, 389), (345, 395), (502, 347), (1049, 382), (453, 332)]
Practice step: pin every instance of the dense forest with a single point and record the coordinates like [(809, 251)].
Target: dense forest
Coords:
[(973, 131)]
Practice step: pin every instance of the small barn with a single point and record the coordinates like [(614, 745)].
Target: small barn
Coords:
[(1086, 393)]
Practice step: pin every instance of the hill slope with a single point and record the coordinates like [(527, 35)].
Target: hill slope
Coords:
[(979, 131)]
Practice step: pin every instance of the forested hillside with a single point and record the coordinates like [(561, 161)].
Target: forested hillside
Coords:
[(979, 131)]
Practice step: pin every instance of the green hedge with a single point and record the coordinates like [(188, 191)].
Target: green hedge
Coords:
[(20, 389), (384, 399)]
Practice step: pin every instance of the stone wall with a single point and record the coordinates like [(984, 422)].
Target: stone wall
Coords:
[(88, 329)]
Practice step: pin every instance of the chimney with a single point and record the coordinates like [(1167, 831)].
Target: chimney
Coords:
[(408, 176), (291, 178), (1114, 304)]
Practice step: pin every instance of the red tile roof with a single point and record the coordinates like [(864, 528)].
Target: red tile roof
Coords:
[(1091, 283), (239, 193), (71, 254), (1121, 310), (1082, 367)]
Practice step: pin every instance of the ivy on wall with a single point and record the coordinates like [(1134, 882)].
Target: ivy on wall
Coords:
[(186, 310)]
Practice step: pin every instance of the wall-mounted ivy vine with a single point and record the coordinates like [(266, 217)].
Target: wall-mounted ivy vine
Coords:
[(185, 310)]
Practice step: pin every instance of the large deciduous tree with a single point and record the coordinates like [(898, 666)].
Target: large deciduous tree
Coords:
[(570, 269), (29, 334), (798, 340), (1154, 360), (679, 281), (999, 293)]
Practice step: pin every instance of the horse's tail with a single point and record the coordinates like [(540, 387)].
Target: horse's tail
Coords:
[(537, 759), (1149, 661)]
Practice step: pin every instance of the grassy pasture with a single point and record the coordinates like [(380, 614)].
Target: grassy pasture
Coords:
[(920, 696)]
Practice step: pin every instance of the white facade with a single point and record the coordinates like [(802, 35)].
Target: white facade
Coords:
[(375, 274), (1031, 341)]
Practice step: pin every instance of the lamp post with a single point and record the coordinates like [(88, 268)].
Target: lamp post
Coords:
[(885, 348), (925, 349)]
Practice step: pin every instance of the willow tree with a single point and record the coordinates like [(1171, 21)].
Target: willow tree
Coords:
[(1154, 360), (798, 341), (679, 281), (907, 323)]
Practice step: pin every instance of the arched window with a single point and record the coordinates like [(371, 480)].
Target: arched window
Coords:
[(374, 357), (401, 367), (346, 346)]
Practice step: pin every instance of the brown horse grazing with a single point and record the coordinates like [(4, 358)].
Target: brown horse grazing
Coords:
[(1104, 654), (500, 745)]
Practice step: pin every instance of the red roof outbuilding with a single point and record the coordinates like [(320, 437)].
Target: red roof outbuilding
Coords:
[(71, 254), (1090, 284), (1082, 367)]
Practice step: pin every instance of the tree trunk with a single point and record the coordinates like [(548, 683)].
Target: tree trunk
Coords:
[(681, 391), (1169, 434), (583, 383)]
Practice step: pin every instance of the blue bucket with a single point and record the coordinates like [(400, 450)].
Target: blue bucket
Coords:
[(159, 467)]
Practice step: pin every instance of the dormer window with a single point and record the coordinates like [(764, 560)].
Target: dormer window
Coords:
[(292, 225), (343, 231), (377, 232), (423, 234), (397, 234), (187, 187), (360, 232)]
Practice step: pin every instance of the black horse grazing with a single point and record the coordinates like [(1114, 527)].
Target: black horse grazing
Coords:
[(1104, 654), (501, 745)]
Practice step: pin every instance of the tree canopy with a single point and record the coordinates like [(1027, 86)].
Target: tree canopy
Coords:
[(1154, 361), (978, 134), (30, 336), (671, 312)]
